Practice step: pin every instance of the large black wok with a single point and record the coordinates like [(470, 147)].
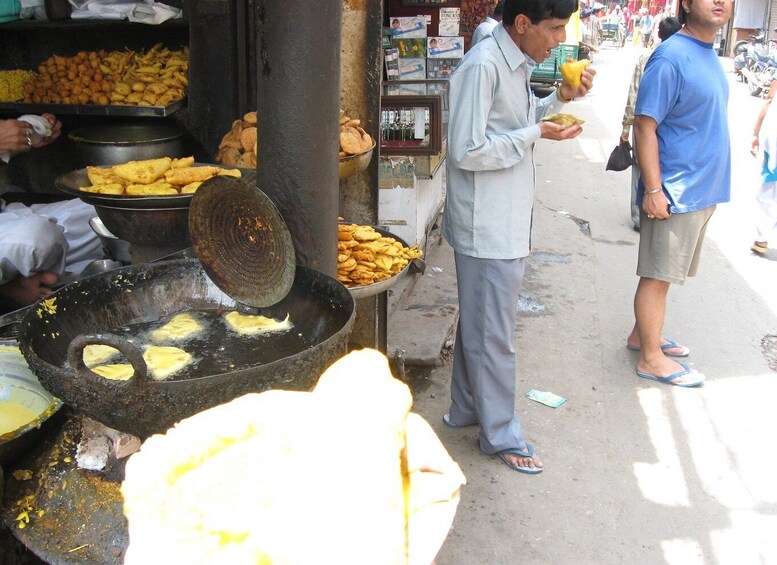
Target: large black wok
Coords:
[(320, 308)]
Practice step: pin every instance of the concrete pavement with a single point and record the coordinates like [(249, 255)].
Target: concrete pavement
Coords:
[(635, 471)]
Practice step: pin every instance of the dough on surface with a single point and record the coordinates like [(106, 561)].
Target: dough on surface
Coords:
[(247, 324), (115, 372), (180, 326), (165, 361), (98, 353)]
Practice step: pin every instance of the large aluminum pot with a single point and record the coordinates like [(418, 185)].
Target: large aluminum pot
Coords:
[(53, 335), (115, 144)]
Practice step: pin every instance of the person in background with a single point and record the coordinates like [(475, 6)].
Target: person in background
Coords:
[(493, 127), (765, 139), (683, 149), (667, 28), (487, 25), (38, 243), (646, 28)]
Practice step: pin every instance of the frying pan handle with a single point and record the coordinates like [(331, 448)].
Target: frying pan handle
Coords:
[(75, 354)]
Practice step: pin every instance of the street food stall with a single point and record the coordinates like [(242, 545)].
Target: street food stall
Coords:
[(300, 263)]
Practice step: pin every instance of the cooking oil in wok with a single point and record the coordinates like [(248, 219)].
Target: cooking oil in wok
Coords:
[(218, 349)]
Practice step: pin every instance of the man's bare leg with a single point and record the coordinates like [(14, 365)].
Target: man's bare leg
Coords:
[(23, 291), (649, 311)]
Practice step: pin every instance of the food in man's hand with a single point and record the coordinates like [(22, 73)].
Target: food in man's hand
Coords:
[(164, 362), (238, 147), (179, 327), (565, 120), (152, 177), (353, 138), (572, 71), (247, 324), (364, 256), (342, 474)]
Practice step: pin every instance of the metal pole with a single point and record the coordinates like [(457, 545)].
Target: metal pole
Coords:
[(298, 101)]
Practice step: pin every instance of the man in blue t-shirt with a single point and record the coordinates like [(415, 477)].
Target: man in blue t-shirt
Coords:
[(682, 143)]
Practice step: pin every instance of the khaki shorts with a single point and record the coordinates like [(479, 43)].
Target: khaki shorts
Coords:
[(669, 250)]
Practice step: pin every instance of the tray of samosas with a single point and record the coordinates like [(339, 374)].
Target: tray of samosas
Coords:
[(371, 260), (148, 183)]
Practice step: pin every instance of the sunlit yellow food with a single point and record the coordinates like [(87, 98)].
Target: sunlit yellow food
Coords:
[(153, 189), (180, 326), (143, 172), (339, 475), (365, 256), (163, 361), (572, 71), (247, 324)]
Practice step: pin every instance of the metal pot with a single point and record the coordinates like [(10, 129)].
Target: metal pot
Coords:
[(115, 144), (320, 308)]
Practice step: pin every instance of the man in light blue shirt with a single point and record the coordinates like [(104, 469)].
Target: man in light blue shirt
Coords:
[(493, 125)]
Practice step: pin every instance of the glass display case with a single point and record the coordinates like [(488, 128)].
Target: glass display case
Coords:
[(414, 117)]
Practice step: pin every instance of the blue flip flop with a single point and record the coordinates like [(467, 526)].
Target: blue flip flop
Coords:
[(528, 453), (446, 419), (670, 344), (671, 378)]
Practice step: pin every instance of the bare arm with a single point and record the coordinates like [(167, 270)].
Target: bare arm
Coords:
[(755, 143), (646, 141)]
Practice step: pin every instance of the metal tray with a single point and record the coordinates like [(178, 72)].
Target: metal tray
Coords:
[(376, 288), (71, 182), (100, 110)]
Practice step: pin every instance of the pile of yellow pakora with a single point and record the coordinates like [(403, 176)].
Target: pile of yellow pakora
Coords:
[(157, 77), (365, 256), (153, 177)]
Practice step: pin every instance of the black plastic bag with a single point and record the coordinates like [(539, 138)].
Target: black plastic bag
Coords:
[(620, 158)]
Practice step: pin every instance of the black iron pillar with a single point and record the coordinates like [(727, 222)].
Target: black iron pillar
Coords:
[(298, 100)]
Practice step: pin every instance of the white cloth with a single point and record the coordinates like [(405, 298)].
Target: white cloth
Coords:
[(766, 215), (52, 237), (483, 30), (138, 12), (750, 14), (492, 128)]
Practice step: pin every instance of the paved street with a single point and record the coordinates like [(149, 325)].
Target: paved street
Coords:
[(635, 471)]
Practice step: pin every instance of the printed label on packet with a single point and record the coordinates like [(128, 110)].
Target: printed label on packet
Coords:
[(546, 398)]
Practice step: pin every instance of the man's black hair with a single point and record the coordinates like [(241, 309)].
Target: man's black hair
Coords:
[(682, 15), (538, 10), (499, 10), (668, 27)]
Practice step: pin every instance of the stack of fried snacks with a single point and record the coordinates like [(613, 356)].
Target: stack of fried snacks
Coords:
[(153, 177), (157, 77), (353, 138), (238, 147), (364, 256), (12, 84)]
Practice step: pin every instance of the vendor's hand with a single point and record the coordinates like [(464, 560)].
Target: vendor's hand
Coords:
[(557, 132), (56, 130), (624, 137), (656, 205), (754, 145), (23, 291), (586, 83), (15, 136)]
